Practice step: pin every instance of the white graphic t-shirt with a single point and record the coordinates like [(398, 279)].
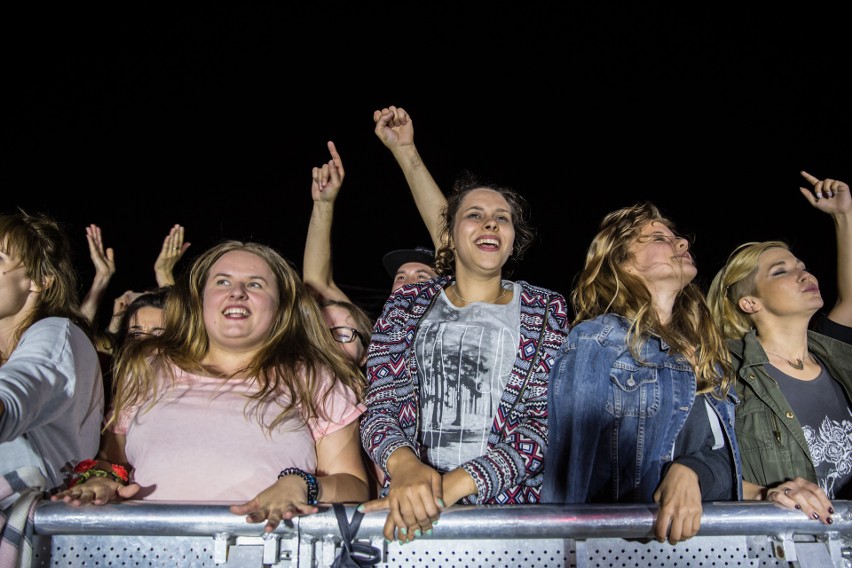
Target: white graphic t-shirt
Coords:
[(465, 356)]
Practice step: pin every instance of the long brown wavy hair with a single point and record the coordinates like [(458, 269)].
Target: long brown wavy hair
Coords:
[(605, 286), (285, 370)]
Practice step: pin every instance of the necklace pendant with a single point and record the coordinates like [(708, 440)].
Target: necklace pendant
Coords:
[(798, 365)]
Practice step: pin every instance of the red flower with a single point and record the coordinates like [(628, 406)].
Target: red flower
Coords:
[(85, 465), (121, 472)]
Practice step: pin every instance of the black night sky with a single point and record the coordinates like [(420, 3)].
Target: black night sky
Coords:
[(212, 116)]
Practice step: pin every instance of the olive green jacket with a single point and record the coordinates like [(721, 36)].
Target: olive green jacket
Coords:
[(772, 443)]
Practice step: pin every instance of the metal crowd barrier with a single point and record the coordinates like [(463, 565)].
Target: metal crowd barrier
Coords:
[(733, 534)]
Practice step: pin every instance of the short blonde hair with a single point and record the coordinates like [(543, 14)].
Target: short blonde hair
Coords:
[(734, 281)]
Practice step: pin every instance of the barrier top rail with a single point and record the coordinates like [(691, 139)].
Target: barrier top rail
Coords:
[(482, 522)]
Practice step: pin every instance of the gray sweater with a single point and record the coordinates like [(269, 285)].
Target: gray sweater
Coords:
[(52, 392)]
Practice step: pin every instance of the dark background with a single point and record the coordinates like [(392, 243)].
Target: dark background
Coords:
[(212, 115)]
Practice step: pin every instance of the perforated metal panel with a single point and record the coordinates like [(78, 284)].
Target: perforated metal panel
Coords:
[(191, 552), (728, 552), (149, 551), (482, 553)]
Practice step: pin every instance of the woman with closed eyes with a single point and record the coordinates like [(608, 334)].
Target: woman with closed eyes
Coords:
[(794, 422), (641, 404)]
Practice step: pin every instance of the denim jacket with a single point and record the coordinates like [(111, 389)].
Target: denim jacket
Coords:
[(612, 423)]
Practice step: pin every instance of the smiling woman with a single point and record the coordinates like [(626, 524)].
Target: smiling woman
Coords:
[(456, 405), (244, 359)]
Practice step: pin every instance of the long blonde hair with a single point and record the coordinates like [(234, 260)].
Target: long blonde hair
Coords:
[(286, 369), (738, 278), (604, 286)]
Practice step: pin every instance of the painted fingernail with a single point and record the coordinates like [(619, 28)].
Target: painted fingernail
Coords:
[(819, 195), (403, 530), (388, 541), (441, 503), (428, 532), (831, 510), (798, 506), (815, 515), (829, 520), (417, 532), (361, 508)]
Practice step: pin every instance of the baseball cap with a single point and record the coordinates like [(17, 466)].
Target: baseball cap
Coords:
[(396, 258)]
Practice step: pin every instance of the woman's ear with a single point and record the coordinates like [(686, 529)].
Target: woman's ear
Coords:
[(48, 282), (749, 304)]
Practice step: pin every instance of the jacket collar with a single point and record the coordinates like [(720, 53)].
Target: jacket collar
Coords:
[(748, 350)]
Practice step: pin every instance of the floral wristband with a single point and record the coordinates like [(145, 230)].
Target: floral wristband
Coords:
[(310, 481), (99, 468)]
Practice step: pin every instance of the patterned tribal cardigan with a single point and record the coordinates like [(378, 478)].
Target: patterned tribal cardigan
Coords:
[(511, 470)]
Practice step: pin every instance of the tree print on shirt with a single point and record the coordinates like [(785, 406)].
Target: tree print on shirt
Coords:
[(463, 369)]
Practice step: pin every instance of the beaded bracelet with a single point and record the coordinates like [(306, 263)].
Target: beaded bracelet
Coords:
[(99, 468), (310, 481)]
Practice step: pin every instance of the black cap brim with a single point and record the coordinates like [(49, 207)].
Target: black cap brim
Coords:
[(396, 258)]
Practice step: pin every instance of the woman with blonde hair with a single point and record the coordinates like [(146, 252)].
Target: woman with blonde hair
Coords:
[(245, 360), (795, 419), (640, 408)]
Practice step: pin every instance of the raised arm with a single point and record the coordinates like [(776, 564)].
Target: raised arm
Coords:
[(118, 306), (326, 181), (395, 129), (170, 254), (104, 261), (832, 196)]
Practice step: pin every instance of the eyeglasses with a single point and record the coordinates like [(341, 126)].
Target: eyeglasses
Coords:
[(346, 334)]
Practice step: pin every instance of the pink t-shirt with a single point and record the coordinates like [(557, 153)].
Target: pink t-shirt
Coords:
[(198, 444)]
